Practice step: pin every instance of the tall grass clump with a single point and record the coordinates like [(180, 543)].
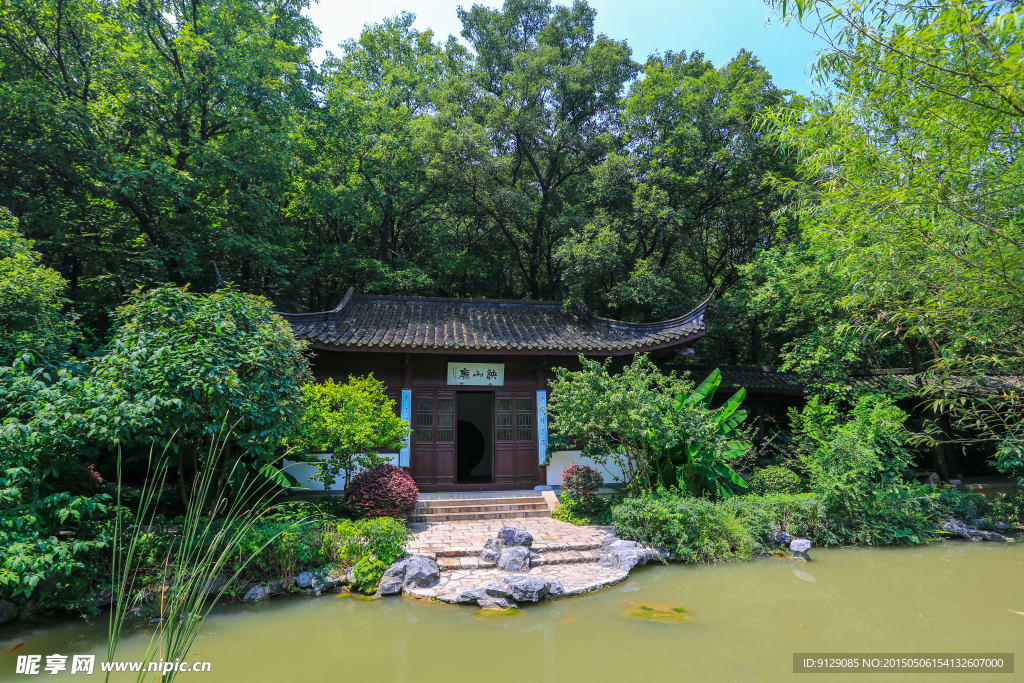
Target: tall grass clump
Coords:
[(208, 543)]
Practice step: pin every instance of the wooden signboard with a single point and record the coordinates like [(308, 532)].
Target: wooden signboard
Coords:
[(476, 374)]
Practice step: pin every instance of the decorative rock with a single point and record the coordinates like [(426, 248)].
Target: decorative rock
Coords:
[(276, 587), (496, 590), (216, 584), (471, 595), (1002, 526), (515, 559), (527, 588), (512, 536), (624, 555), (330, 581), (555, 589), (492, 550), (304, 580), (991, 536), (350, 576), (496, 603), (8, 612), (782, 538), (422, 572), (257, 593), (415, 571), (799, 548), (608, 540), (955, 526)]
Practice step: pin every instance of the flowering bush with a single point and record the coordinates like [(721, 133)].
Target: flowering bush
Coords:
[(581, 482), (381, 491)]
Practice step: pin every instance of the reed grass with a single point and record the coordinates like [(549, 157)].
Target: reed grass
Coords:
[(204, 547)]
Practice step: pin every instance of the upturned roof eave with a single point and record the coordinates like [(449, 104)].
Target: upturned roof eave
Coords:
[(683, 342)]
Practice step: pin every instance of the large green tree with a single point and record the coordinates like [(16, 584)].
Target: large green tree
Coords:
[(142, 139), (365, 210), (911, 178), (685, 203), (517, 137)]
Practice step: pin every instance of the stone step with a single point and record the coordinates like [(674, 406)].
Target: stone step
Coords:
[(552, 553), (480, 507), (478, 502), (448, 564), (468, 516)]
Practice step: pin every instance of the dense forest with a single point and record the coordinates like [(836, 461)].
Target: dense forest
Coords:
[(196, 142), (168, 142)]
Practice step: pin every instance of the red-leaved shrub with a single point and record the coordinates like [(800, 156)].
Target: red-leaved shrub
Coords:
[(381, 491), (78, 479), (580, 482), (579, 488)]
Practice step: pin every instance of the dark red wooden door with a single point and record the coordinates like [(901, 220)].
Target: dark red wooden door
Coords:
[(433, 437), (515, 442)]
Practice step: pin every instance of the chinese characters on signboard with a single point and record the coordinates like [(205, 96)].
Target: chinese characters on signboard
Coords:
[(477, 374)]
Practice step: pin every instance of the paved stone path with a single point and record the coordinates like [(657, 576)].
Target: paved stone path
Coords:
[(459, 539), (565, 553)]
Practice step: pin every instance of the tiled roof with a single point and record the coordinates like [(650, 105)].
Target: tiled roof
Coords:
[(363, 321)]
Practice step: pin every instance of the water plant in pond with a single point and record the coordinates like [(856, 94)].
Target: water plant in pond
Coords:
[(492, 612), (664, 613)]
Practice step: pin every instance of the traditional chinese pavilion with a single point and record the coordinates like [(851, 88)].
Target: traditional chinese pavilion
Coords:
[(471, 375)]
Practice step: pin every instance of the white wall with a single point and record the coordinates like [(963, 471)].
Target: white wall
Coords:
[(305, 473), (611, 472)]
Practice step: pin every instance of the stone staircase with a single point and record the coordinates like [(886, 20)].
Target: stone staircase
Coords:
[(547, 555), (562, 554), (432, 508)]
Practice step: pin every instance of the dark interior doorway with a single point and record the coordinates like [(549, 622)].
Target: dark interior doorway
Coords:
[(474, 440)]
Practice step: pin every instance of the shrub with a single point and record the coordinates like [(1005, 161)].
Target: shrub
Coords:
[(581, 482), (774, 479), (78, 479), (596, 511), (615, 415), (859, 466), (949, 502), (692, 529), (1008, 508), (764, 516), (381, 491), (369, 546), (289, 550), (351, 422)]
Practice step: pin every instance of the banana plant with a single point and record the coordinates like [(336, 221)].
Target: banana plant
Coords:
[(698, 463)]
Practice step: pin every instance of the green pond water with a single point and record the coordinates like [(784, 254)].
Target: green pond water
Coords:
[(742, 621)]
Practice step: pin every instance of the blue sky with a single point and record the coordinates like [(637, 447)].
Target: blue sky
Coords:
[(718, 28)]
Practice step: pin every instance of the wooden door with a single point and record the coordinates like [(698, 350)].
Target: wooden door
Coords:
[(515, 442), (433, 437)]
